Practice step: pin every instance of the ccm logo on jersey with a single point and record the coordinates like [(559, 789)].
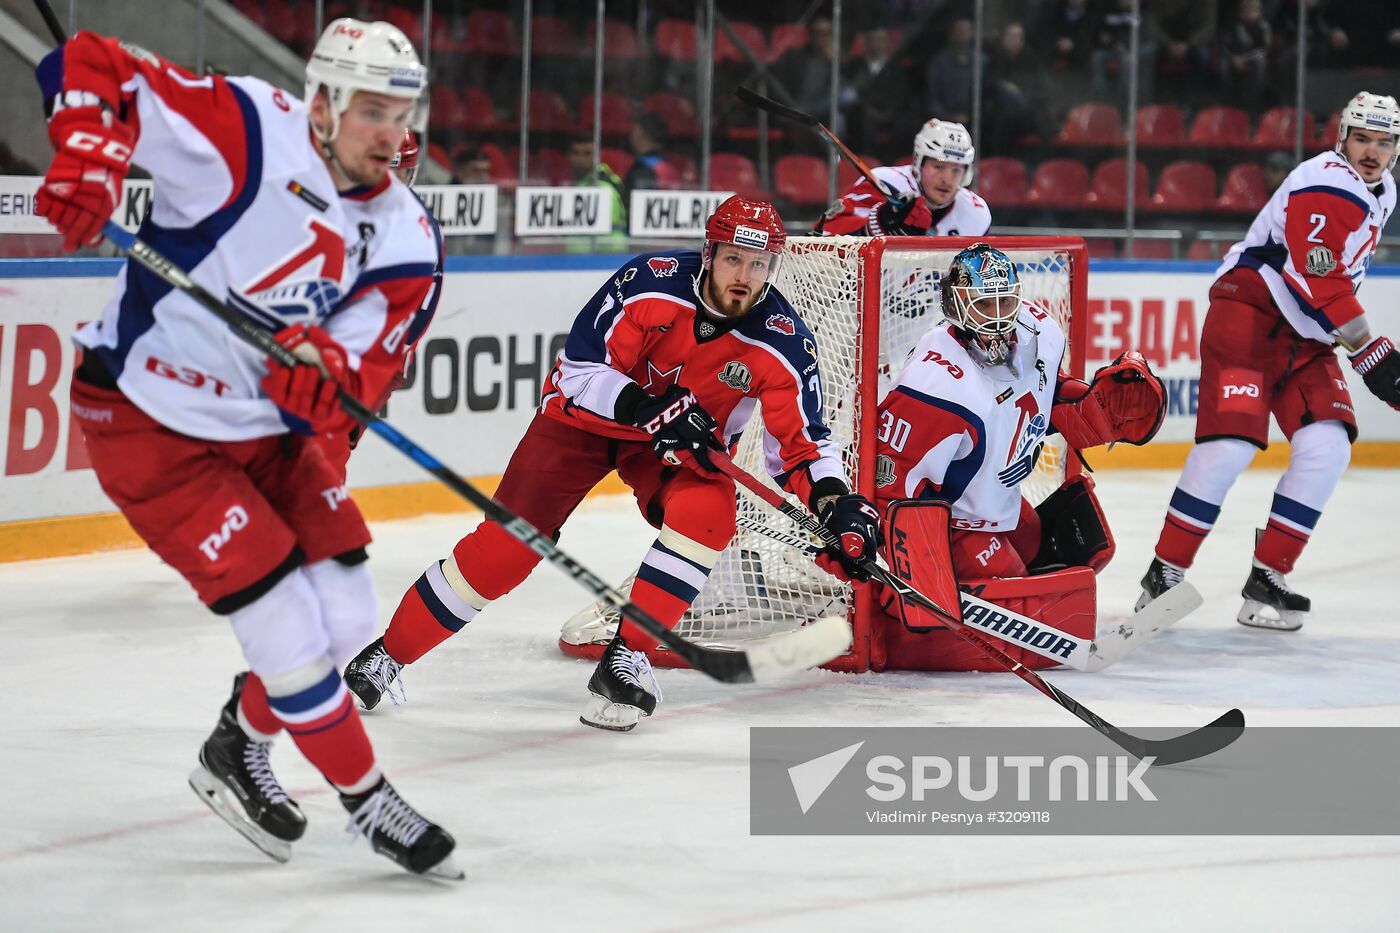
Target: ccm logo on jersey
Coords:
[(87, 142), (781, 324), (1252, 391), (235, 519), (662, 266)]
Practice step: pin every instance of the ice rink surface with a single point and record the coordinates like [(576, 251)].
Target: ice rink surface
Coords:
[(114, 676)]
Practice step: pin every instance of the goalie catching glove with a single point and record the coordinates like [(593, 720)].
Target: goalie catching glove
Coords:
[(855, 522), (1126, 402), (682, 432)]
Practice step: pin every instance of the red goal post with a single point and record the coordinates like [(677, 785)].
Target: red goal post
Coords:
[(867, 301)]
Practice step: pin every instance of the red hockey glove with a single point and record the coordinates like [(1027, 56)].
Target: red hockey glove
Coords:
[(1379, 365), (84, 181), (682, 432), (855, 522), (891, 218), (308, 390), (1125, 402)]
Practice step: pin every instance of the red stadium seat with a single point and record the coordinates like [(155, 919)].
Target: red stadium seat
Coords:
[(858, 43), (503, 170), (480, 113), (678, 112), (675, 39), (1244, 191), (1277, 127), (801, 180), (1220, 128), (1207, 249), (438, 154), (1161, 126), (550, 167), (846, 175), (1002, 181), (1152, 249), (549, 113), (619, 41), (410, 23), (688, 176), (550, 35), (1091, 125), (619, 160), (491, 34), (447, 109), (1108, 191), (749, 34), (616, 115), (786, 36), (1059, 183), (1185, 188), (730, 171)]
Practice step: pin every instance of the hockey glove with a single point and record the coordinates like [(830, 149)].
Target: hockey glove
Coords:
[(1125, 402), (92, 153), (1379, 365), (855, 522), (891, 218), (308, 390), (682, 433)]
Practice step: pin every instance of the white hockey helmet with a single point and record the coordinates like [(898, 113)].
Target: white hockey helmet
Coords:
[(353, 55), (945, 142), (1367, 111)]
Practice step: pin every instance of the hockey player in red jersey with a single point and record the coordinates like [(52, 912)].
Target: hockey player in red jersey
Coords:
[(1283, 299), (405, 162), (290, 212), (665, 363), (929, 197), (964, 426)]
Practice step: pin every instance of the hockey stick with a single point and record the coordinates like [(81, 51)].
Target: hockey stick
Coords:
[(1198, 743), (809, 646), (756, 99)]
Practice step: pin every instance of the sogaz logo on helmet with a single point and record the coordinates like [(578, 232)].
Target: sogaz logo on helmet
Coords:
[(748, 236)]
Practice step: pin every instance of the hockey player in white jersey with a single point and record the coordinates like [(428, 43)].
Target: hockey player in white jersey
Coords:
[(929, 197), (1284, 298), (964, 425), (288, 211)]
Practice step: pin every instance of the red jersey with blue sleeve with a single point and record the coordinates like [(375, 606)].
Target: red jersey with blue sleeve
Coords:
[(967, 215), (645, 327), (1313, 242), (242, 200)]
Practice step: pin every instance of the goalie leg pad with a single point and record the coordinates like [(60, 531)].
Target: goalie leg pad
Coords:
[(1074, 530), (918, 546)]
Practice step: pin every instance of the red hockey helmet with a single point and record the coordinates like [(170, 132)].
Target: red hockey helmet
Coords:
[(405, 162), (749, 225)]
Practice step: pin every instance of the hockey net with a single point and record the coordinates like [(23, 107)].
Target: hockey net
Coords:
[(867, 301)]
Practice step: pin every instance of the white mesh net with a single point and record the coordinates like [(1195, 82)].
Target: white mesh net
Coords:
[(762, 586)]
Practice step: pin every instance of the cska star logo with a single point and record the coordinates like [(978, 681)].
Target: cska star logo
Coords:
[(663, 266)]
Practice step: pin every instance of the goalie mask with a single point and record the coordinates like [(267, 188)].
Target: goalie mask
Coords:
[(982, 299), (752, 226), (1375, 112)]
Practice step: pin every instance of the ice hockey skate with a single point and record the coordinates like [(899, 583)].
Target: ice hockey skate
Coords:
[(619, 695), (372, 674), (236, 781), (1160, 577), (400, 833), (1270, 604)]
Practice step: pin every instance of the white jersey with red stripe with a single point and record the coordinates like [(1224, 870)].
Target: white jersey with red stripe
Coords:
[(968, 215), (243, 201), (968, 434), (1313, 242)]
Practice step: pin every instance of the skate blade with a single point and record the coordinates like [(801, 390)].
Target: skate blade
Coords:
[(1253, 614), (446, 870), (602, 713), (212, 791)]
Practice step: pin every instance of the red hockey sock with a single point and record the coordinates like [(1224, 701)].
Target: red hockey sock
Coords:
[(666, 607), (1279, 548), (254, 715), (324, 723)]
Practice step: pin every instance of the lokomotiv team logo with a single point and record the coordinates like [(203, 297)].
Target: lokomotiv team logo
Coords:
[(782, 324), (662, 266), (737, 376)]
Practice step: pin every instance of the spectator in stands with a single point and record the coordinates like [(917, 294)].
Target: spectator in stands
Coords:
[(1113, 50), (806, 71), (1017, 103), (650, 168), (1246, 57), (1068, 26), (470, 165), (587, 170), (1276, 168), (880, 88), (1329, 45), (948, 79), (1182, 31)]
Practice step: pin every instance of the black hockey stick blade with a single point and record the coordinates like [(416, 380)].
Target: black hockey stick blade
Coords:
[(756, 99), (1198, 743)]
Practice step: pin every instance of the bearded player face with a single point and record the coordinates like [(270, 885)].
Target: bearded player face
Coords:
[(736, 278)]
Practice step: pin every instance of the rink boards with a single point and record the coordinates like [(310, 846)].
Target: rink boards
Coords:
[(481, 366)]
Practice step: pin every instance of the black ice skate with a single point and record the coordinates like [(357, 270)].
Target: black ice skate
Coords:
[(1160, 577), (401, 833), (236, 781), (374, 673), (619, 697), (1269, 603)]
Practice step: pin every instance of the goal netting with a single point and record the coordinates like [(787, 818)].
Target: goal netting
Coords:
[(867, 301)]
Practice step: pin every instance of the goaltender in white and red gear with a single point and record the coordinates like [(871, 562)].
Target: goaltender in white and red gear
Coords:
[(287, 211), (1284, 298), (666, 363), (964, 425), (928, 197)]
